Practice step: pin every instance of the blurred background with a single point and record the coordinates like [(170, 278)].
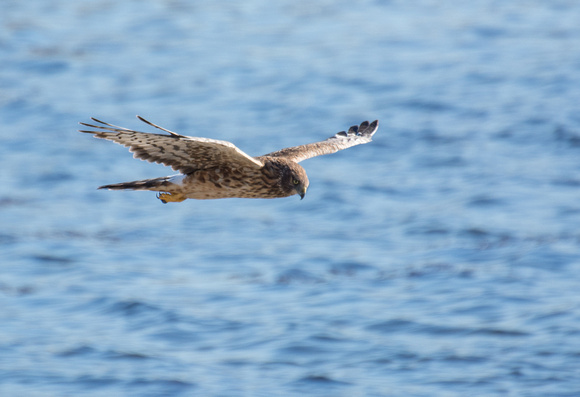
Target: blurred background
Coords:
[(442, 259)]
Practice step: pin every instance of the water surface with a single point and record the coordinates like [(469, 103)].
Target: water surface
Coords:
[(440, 260)]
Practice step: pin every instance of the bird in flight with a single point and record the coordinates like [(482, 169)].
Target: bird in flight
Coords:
[(212, 169)]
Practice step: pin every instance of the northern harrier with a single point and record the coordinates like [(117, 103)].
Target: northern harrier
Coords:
[(212, 169)]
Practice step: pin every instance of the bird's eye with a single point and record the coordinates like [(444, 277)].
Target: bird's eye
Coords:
[(295, 181)]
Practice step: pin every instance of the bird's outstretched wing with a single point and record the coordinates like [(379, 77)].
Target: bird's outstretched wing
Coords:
[(182, 153), (356, 135)]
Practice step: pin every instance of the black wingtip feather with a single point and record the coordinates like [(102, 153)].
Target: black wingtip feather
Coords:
[(369, 129), (175, 134)]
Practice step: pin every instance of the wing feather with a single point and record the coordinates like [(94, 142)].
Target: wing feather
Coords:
[(182, 153), (356, 135)]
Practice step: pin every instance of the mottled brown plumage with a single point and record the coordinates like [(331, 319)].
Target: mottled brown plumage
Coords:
[(211, 169)]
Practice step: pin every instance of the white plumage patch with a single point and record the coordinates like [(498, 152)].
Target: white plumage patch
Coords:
[(177, 179)]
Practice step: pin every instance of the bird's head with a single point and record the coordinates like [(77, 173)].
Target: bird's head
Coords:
[(295, 180)]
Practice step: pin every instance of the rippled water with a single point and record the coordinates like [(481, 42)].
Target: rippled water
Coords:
[(440, 260)]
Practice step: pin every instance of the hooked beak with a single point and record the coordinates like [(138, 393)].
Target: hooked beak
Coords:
[(302, 192)]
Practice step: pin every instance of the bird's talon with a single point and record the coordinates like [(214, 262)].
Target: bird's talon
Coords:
[(158, 195), (170, 197)]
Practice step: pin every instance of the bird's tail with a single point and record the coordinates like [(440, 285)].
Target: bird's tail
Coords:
[(155, 184)]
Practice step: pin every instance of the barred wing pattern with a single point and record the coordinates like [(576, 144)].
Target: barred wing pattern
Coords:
[(182, 153), (356, 135)]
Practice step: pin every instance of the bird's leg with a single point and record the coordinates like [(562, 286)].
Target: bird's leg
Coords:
[(171, 197)]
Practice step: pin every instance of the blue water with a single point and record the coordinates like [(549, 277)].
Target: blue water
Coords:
[(442, 259)]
